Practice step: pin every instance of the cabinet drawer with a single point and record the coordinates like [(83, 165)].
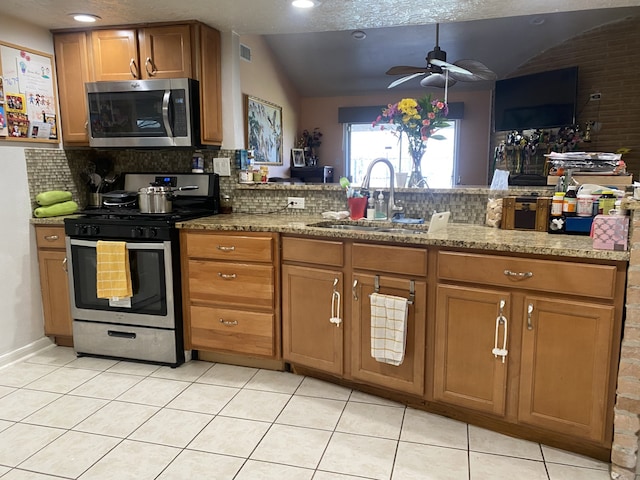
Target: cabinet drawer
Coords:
[(384, 258), (232, 330), (596, 281), (242, 247), (319, 252), (50, 237), (230, 283)]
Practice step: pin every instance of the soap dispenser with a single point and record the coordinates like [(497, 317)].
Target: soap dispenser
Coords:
[(371, 208), (381, 207)]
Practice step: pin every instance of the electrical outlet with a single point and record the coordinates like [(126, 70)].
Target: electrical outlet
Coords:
[(594, 97), (295, 202)]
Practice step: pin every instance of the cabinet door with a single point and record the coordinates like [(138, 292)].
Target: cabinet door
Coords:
[(409, 375), (115, 55), (466, 372), (72, 66), (309, 337), (209, 59), (566, 358), (165, 52), (55, 293)]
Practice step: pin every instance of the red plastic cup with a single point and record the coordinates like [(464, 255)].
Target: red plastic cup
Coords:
[(357, 207)]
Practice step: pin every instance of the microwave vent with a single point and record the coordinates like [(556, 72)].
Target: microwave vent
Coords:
[(245, 52)]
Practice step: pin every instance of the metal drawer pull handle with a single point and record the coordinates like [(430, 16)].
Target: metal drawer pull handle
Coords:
[(354, 290), (500, 320), (529, 314), (51, 238), (227, 276), (226, 323), (114, 333), (225, 249), (519, 275), (64, 265)]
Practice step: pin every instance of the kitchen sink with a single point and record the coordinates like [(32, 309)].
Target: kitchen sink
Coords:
[(367, 228)]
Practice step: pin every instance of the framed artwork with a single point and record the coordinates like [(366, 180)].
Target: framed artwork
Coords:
[(263, 130), (297, 157)]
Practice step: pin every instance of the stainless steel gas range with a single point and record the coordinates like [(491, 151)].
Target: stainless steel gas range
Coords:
[(148, 325)]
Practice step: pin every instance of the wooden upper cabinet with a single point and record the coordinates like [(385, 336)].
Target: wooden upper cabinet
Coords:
[(115, 55), (165, 52), (73, 70), (209, 62), (153, 52)]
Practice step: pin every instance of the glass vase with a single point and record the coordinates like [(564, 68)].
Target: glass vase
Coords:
[(416, 180)]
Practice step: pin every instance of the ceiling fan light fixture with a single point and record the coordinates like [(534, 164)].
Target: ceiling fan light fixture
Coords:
[(85, 17), (304, 3)]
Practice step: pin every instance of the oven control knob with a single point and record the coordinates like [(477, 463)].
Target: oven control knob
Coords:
[(152, 232), (137, 232), (95, 230), (82, 229)]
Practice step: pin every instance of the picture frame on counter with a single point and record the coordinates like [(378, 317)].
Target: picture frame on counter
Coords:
[(297, 157), (263, 129)]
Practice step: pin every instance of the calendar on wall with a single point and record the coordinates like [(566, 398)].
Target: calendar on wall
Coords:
[(28, 104)]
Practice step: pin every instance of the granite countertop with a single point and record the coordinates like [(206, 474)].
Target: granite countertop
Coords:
[(456, 235)]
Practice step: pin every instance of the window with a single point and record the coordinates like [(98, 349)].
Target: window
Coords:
[(365, 143)]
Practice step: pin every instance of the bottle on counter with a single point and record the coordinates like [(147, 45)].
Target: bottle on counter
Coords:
[(225, 204), (371, 208), (556, 218), (381, 207), (556, 204), (585, 205), (606, 202), (570, 202), (197, 162)]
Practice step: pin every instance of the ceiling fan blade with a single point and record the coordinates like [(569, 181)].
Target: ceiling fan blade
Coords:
[(479, 71), (437, 80), (405, 70), (397, 82), (451, 67)]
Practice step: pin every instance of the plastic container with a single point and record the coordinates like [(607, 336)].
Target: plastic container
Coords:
[(584, 206), (556, 204), (606, 202), (570, 202), (197, 163), (225, 204)]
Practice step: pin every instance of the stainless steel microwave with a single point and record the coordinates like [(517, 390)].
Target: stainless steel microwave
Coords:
[(144, 113)]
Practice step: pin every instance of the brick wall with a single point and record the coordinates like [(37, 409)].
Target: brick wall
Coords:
[(624, 452), (608, 59)]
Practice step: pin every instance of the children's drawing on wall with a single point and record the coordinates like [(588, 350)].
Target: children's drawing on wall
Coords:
[(3, 122)]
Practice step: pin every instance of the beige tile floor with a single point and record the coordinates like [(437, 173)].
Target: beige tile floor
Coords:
[(90, 418)]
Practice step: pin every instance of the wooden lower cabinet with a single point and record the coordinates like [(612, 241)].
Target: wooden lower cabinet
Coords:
[(309, 338), (230, 290), (54, 283), (409, 376), (466, 372), (566, 354)]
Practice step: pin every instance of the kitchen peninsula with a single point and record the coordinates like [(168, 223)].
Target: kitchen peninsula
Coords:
[(563, 302)]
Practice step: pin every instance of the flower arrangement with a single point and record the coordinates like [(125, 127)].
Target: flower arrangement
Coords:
[(418, 118), (311, 139)]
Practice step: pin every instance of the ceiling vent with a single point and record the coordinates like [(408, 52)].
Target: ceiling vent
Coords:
[(245, 52)]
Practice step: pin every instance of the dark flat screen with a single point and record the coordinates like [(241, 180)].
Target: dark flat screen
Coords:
[(540, 100)]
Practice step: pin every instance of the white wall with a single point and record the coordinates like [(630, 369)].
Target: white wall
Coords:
[(21, 321)]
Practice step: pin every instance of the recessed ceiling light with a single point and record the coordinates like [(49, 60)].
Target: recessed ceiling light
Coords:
[(84, 17), (358, 34), (304, 3)]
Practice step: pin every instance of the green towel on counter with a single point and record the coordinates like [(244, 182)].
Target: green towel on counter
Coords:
[(64, 208), (51, 197)]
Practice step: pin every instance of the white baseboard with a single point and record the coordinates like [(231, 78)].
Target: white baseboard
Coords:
[(26, 351)]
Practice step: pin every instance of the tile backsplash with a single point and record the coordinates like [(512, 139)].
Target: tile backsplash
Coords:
[(49, 169)]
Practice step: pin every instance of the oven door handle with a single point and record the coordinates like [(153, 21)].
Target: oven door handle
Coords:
[(130, 245), (115, 333)]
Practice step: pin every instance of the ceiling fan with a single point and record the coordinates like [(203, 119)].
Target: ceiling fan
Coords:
[(439, 72)]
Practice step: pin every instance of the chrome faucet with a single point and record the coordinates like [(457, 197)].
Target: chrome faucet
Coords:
[(392, 208)]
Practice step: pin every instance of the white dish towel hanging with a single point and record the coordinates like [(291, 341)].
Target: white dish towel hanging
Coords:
[(388, 328)]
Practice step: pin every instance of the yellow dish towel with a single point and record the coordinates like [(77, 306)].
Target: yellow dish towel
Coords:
[(113, 272), (388, 328)]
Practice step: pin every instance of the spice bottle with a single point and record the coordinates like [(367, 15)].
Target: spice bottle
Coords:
[(570, 202), (225, 204)]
